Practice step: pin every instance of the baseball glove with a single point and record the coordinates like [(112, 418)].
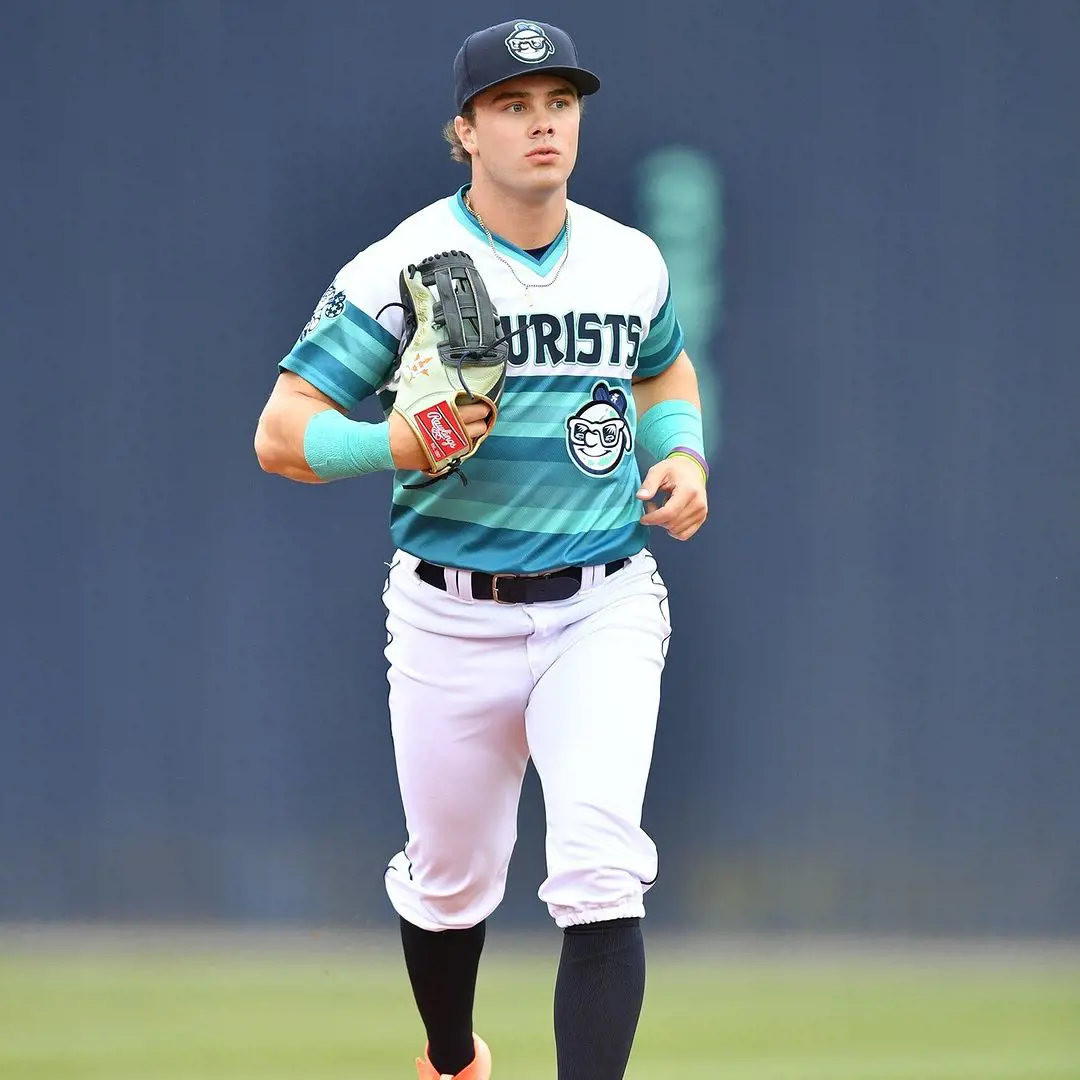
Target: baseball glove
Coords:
[(450, 355)]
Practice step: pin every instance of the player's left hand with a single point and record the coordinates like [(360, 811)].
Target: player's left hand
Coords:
[(687, 505)]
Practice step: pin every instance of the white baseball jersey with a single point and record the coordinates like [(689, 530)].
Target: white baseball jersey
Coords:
[(554, 484)]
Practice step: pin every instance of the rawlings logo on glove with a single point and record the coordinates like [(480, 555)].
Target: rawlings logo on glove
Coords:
[(450, 355)]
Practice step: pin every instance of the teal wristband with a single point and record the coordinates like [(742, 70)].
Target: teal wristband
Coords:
[(671, 425), (336, 447)]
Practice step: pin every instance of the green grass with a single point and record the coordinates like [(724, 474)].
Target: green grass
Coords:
[(195, 1012)]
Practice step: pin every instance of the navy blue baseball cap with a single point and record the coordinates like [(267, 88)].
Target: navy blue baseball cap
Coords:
[(518, 47)]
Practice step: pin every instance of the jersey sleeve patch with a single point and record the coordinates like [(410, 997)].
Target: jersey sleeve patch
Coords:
[(663, 343), (342, 351)]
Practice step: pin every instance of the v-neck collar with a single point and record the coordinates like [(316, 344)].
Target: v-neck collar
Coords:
[(542, 266)]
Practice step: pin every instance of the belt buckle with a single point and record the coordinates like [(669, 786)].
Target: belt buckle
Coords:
[(495, 589)]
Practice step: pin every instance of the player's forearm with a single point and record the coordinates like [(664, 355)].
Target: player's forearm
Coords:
[(677, 383), (303, 436), (279, 438), (669, 414)]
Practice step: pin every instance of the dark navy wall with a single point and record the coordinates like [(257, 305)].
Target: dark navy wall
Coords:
[(870, 718)]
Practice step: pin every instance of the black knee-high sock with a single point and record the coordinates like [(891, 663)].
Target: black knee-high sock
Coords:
[(442, 968), (598, 995)]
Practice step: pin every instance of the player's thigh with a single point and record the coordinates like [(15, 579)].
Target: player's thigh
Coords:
[(457, 720), (591, 719), (459, 681)]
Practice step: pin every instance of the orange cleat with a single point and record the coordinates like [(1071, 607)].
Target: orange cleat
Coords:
[(477, 1069)]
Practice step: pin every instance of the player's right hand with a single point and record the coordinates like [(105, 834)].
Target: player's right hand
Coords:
[(405, 447), (687, 504)]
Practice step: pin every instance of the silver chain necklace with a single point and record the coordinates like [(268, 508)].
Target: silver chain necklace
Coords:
[(509, 266)]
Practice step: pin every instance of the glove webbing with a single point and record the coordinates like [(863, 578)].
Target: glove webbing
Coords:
[(463, 319)]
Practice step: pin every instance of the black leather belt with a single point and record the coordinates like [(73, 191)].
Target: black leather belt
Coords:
[(517, 588)]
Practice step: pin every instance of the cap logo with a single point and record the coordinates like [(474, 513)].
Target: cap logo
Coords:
[(529, 44)]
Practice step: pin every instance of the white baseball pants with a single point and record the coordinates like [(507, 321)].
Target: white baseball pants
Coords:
[(476, 688)]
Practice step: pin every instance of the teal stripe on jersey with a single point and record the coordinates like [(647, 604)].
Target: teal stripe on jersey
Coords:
[(530, 416), (509, 448), (537, 519), (373, 331), (542, 266), (660, 329), (548, 501), (544, 495), (319, 368), (663, 344), (576, 384), (351, 348), (347, 357), (533, 396), (520, 399), (476, 547), (530, 480), (620, 504), (526, 429), (654, 365)]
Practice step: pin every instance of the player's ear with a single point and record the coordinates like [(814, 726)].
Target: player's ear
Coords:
[(465, 134)]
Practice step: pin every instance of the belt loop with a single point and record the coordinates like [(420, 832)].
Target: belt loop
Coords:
[(450, 576), (462, 582)]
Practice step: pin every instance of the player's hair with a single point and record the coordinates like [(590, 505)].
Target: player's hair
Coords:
[(458, 152)]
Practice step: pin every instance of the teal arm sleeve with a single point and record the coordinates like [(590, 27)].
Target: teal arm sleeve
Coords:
[(669, 426), (336, 447)]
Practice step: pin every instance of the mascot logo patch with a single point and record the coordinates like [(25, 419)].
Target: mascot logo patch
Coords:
[(597, 435), (529, 44), (331, 304)]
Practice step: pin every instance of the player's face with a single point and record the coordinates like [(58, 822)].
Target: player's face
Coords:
[(526, 133)]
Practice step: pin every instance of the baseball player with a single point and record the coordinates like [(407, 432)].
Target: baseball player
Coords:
[(526, 617)]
